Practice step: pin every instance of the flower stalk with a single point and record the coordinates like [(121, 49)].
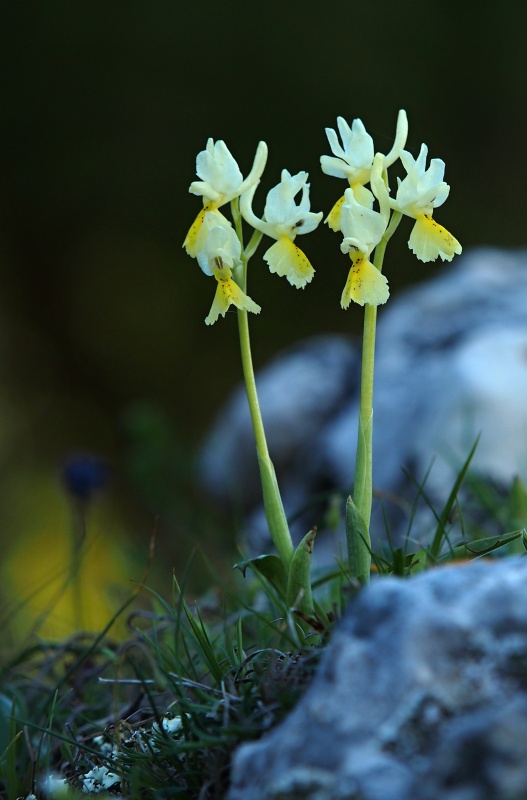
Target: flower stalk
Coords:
[(274, 509), (358, 510)]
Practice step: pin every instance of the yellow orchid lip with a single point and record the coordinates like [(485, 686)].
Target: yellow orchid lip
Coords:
[(365, 285), (429, 240), (333, 218), (228, 293), (287, 260), (191, 239)]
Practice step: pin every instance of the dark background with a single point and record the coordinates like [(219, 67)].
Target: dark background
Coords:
[(104, 106)]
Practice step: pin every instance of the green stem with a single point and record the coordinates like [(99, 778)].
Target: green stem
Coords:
[(363, 486), (362, 494), (250, 385), (274, 509)]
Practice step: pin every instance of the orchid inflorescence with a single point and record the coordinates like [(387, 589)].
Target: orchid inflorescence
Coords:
[(366, 215), (218, 245)]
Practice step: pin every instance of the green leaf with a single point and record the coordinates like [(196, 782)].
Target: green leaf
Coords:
[(362, 490), (490, 543), (274, 510), (404, 563), (418, 561), (272, 569), (359, 549), (517, 511), (481, 547), (445, 516), (201, 636), (518, 502), (299, 593)]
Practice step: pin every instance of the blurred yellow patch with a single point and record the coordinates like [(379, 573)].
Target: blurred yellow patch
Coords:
[(46, 589)]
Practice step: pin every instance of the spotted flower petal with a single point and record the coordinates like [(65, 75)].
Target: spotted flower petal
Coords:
[(287, 260), (418, 194), (192, 238), (429, 240), (284, 219), (365, 285), (228, 293)]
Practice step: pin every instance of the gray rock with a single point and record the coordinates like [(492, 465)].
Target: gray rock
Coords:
[(451, 364), (421, 695), (300, 392)]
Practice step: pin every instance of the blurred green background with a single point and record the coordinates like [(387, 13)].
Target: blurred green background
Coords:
[(104, 107)]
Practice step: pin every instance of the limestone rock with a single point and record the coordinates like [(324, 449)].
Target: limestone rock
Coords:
[(421, 695)]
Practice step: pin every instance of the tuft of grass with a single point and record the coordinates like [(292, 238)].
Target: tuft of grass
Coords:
[(159, 714)]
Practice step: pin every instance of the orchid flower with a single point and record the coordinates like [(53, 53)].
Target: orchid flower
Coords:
[(283, 220), (221, 181), (353, 160), (418, 194), (363, 229), (218, 254)]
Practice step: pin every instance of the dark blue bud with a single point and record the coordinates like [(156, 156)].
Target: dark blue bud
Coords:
[(83, 473)]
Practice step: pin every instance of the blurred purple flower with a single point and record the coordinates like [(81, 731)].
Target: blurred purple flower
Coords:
[(83, 473)]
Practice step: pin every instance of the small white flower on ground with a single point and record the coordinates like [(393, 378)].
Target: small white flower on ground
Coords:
[(107, 748), (98, 780), (55, 787), (172, 725)]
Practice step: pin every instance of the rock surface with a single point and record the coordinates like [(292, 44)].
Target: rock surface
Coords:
[(451, 364), (421, 695)]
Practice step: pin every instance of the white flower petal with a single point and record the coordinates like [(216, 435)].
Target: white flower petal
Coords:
[(283, 215), (217, 167), (354, 157), (335, 167), (422, 189), (221, 179), (362, 227), (217, 244), (401, 134)]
